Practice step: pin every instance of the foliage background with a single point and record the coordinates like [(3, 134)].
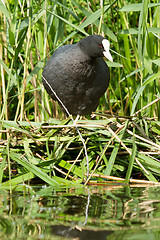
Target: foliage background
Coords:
[(30, 32)]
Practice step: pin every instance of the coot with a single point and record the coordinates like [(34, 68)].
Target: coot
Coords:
[(77, 74)]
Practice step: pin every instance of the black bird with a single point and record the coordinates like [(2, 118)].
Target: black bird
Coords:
[(77, 76)]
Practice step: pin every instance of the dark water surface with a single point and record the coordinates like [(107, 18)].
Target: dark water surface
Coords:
[(89, 213)]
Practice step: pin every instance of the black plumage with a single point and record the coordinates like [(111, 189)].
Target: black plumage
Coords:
[(78, 75)]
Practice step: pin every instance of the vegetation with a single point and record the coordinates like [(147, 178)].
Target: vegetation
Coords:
[(122, 137)]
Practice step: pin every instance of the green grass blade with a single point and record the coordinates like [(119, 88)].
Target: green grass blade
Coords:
[(111, 160), (134, 7), (33, 169), (131, 161), (4, 9)]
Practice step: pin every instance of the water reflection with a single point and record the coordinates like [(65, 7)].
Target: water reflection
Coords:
[(87, 213)]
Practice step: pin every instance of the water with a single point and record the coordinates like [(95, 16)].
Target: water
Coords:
[(90, 213)]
